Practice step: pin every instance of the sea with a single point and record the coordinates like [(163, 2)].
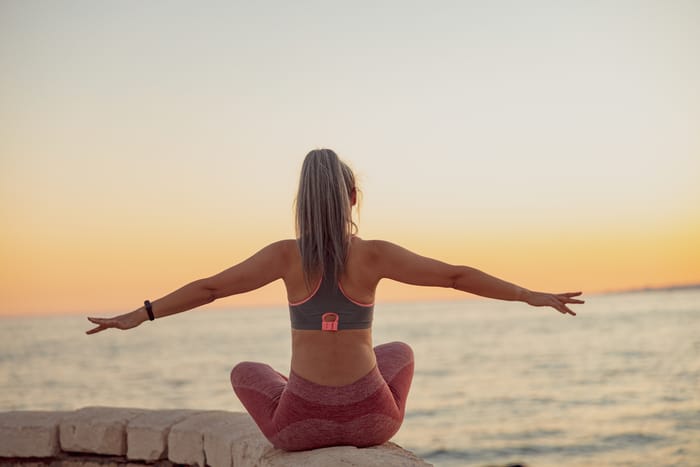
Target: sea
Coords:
[(495, 382)]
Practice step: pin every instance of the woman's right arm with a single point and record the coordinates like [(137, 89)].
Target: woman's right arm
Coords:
[(265, 266), (399, 264)]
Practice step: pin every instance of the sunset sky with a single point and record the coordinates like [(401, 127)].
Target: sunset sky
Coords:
[(147, 144)]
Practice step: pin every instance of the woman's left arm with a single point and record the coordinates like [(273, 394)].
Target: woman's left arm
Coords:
[(265, 266), (400, 264)]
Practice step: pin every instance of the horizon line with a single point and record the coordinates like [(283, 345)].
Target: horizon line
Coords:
[(637, 289)]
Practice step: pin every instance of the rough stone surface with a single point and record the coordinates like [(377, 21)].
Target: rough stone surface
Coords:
[(222, 439), (249, 450), (147, 434), (114, 437), (77, 462), (186, 439), (98, 430), (388, 454), (29, 433)]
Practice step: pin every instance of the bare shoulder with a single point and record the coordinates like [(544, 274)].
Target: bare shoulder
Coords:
[(276, 254), (375, 246), (373, 251), (286, 249), (288, 244), (365, 247)]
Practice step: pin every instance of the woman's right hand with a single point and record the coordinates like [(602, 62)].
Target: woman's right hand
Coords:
[(123, 322), (556, 301)]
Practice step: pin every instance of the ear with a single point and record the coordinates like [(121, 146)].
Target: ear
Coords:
[(353, 197)]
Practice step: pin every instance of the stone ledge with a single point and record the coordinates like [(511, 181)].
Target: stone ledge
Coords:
[(107, 436)]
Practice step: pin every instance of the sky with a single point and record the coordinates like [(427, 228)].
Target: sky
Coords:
[(147, 144)]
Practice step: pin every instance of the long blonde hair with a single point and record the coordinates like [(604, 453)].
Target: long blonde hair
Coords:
[(324, 224)]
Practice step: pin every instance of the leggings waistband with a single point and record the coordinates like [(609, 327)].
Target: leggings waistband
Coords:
[(336, 395)]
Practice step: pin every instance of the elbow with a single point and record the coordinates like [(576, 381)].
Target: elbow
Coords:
[(459, 277), (455, 278), (211, 296), (209, 292)]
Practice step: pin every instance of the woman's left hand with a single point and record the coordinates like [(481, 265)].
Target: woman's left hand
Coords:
[(556, 301), (123, 322)]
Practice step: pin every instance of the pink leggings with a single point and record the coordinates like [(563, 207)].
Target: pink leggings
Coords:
[(296, 414)]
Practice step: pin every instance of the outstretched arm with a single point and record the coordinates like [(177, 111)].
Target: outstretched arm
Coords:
[(402, 265), (260, 269)]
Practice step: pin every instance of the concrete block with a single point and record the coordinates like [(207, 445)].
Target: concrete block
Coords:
[(98, 430), (147, 434), (186, 439), (29, 433), (386, 455), (78, 462), (199, 438), (223, 441), (250, 449)]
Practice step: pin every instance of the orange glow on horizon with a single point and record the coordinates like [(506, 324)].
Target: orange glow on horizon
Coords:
[(84, 277)]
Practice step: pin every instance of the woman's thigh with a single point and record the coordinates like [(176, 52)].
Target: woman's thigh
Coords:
[(259, 388), (395, 363)]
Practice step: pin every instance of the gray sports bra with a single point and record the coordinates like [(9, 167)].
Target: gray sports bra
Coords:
[(329, 309)]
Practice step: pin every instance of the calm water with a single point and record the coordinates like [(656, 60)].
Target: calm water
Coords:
[(495, 382)]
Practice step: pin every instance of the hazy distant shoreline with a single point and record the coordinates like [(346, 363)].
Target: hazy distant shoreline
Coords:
[(669, 288)]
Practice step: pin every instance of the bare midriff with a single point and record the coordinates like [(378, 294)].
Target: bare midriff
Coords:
[(332, 358)]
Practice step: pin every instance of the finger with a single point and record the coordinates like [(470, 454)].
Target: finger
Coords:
[(563, 309), (106, 322), (96, 320), (95, 329), (566, 297), (102, 324), (557, 305), (571, 294), (567, 310)]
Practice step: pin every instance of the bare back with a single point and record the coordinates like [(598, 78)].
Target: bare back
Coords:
[(342, 357)]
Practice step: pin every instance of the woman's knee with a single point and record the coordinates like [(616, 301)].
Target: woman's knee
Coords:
[(396, 350), (243, 372), (260, 377), (393, 359)]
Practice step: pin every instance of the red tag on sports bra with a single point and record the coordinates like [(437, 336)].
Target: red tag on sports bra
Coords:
[(329, 322)]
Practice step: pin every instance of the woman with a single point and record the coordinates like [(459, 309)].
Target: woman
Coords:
[(341, 390)]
